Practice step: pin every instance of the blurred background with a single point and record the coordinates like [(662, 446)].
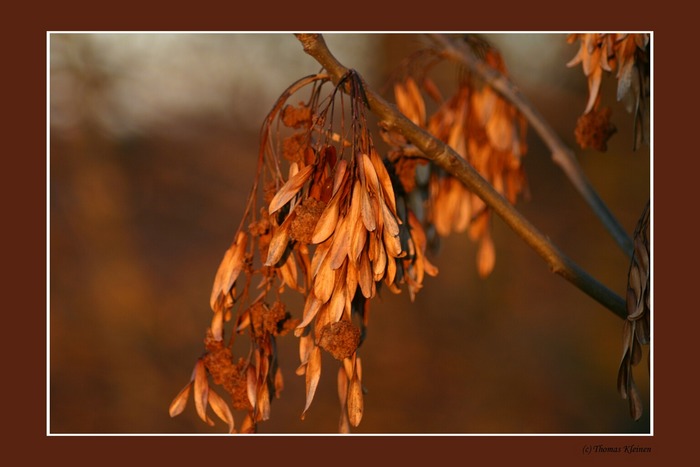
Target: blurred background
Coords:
[(153, 143)]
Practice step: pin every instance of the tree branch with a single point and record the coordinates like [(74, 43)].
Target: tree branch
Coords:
[(445, 157), (561, 154)]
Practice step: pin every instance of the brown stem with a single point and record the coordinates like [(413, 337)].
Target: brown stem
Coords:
[(561, 154), (445, 157)]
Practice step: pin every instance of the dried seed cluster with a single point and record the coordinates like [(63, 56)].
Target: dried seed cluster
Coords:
[(334, 229), (636, 331), (481, 127), (599, 53)]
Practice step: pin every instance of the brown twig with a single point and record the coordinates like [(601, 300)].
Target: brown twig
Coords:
[(562, 155), (445, 157)]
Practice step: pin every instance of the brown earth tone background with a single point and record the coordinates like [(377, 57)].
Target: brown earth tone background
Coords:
[(152, 153)]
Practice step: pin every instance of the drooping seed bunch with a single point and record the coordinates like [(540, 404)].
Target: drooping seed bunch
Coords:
[(636, 330), (334, 229), (481, 127), (338, 222), (600, 53)]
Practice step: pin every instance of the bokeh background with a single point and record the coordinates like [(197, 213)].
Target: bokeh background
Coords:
[(153, 142)]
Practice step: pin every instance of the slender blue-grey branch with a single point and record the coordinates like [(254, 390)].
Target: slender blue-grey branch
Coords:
[(446, 157)]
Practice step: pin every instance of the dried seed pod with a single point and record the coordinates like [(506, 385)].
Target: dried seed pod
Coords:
[(201, 391), (324, 280), (180, 402), (278, 243), (311, 308), (344, 423), (385, 181), (369, 218), (251, 385), (341, 243), (229, 269), (290, 188), (288, 273), (355, 401), (336, 305), (222, 410), (313, 374), (327, 222)]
